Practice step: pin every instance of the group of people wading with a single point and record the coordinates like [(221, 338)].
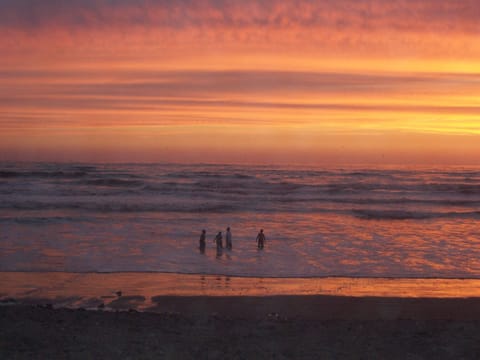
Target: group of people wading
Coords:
[(218, 240)]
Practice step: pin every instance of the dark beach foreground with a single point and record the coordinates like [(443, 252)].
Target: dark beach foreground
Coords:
[(248, 327)]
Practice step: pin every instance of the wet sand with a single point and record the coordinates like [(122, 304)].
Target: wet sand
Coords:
[(248, 327), (89, 290)]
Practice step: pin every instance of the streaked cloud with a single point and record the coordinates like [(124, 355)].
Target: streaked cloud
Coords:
[(402, 15), (201, 83), (332, 28), (237, 97), (311, 74)]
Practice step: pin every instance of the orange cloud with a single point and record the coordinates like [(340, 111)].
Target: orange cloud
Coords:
[(369, 27), (168, 79)]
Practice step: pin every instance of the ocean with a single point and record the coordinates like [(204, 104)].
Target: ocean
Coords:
[(357, 222)]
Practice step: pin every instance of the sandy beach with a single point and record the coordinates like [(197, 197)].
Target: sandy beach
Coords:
[(246, 327), (175, 316)]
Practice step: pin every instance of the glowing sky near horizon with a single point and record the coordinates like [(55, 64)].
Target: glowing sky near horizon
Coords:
[(346, 81)]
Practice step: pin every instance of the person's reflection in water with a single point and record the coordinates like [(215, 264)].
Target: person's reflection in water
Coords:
[(261, 239), (202, 241), (218, 241), (219, 252), (228, 237)]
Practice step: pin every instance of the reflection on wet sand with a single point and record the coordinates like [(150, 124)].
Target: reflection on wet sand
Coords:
[(136, 290)]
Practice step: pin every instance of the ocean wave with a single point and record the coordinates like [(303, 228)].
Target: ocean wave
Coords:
[(410, 215), (122, 207), (379, 201), (351, 187), (224, 179), (5, 174), (114, 182), (43, 219), (163, 187), (460, 188), (147, 188), (374, 210), (207, 175)]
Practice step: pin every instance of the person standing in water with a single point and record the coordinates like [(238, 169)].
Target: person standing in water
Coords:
[(228, 237), (202, 241), (260, 239), (218, 240)]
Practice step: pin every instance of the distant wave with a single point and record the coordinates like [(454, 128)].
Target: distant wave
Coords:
[(461, 188), (42, 174), (406, 215), (44, 219), (420, 194), (380, 201), (256, 179), (121, 207), (224, 207), (206, 174), (114, 182)]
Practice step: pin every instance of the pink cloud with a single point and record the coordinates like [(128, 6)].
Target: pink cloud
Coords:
[(402, 15)]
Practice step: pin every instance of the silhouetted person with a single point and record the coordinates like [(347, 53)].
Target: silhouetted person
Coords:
[(260, 239), (228, 237), (202, 241), (218, 240)]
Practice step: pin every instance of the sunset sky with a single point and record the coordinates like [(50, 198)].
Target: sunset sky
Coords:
[(344, 81)]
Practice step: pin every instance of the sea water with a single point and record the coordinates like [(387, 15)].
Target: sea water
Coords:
[(393, 222)]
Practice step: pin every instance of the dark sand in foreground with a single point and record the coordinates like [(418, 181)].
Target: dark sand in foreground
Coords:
[(249, 328)]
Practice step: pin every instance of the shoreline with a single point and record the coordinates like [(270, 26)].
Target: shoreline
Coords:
[(243, 276), (91, 290)]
